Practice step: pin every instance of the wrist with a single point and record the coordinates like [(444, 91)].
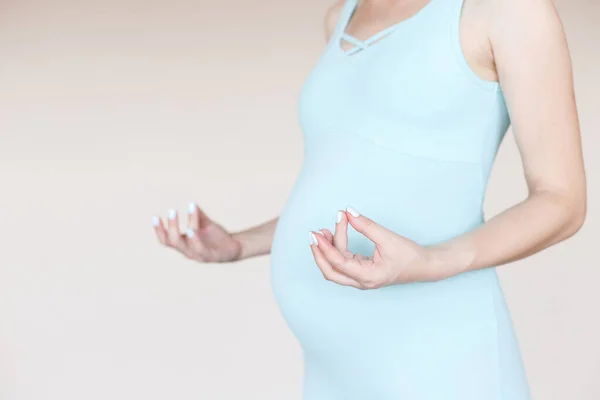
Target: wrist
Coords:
[(242, 246), (446, 260)]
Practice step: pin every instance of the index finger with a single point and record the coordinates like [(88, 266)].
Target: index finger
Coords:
[(351, 267)]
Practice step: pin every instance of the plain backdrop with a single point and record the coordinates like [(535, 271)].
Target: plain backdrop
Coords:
[(114, 111)]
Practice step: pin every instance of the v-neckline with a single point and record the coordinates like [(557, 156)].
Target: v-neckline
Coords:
[(362, 45)]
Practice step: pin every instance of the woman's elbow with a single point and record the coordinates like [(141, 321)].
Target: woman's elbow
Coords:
[(577, 216)]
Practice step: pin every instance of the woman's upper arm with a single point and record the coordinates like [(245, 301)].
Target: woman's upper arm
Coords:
[(535, 73)]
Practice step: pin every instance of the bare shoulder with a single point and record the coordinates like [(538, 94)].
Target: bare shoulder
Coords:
[(535, 42), (332, 15), (520, 9), (495, 33), (531, 20)]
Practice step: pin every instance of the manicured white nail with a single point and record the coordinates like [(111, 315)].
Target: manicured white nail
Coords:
[(312, 238), (172, 214), (339, 217), (191, 207), (352, 212), (190, 233), (321, 233), (155, 221)]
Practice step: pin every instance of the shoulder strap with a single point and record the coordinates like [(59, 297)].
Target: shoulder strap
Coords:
[(455, 11), (343, 19)]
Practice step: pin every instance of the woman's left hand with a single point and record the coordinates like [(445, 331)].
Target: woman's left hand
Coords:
[(395, 260)]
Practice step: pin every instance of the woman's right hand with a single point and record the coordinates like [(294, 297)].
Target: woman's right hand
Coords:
[(204, 240)]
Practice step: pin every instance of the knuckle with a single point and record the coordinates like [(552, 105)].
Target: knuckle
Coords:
[(325, 273), (177, 246), (342, 261), (369, 283), (338, 266), (197, 248), (199, 258)]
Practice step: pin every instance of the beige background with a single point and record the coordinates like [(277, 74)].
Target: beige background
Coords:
[(113, 111)]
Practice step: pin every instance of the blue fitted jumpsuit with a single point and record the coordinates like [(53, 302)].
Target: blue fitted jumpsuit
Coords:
[(401, 129)]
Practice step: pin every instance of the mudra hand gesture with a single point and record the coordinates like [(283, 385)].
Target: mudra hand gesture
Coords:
[(395, 260), (204, 240)]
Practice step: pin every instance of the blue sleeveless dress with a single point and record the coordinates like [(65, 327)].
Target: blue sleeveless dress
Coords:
[(401, 129)]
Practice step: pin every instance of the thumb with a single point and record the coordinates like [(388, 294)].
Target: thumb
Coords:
[(197, 219), (378, 234)]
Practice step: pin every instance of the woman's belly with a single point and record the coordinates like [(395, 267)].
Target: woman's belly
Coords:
[(424, 199), (396, 333)]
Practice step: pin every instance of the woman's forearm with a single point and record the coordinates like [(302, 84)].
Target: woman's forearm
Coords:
[(543, 219), (257, 240)]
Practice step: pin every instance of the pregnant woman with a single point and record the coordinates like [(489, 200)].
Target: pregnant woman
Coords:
[(395, 295)]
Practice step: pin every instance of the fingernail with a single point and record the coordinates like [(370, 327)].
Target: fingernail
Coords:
[(339, 217), (155, 221), (321, 233), (191, 207), (312, 238), (190, 233), (172, 214), (352, 212)]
